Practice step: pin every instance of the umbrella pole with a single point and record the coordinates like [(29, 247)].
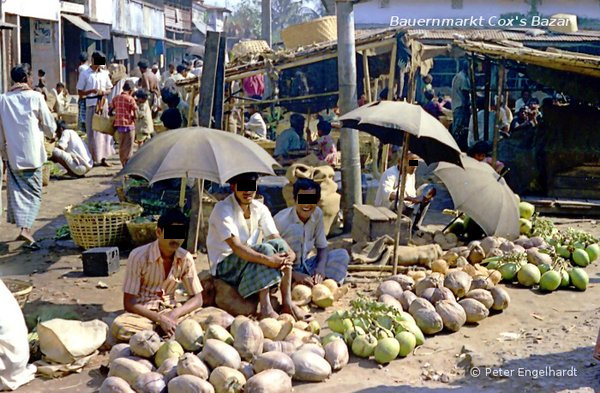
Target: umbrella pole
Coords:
[(400, 207), (182, 192)]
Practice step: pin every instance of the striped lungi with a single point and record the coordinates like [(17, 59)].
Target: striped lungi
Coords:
[(81, 115), (249, 278), (336, 266), (24, 196)]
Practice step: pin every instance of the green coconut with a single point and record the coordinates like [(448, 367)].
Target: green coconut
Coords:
[(550, 281), (509, 271), (526, 210), (529, 275), (565, 280), (579, 278), (563, 251), (593, 251), (544, 267), (525, 226), (386, 350), (407, 342), (364, 346), (335, 322), (330, 337), (581, 257)]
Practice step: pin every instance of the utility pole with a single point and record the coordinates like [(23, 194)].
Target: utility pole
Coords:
[(351, 184)]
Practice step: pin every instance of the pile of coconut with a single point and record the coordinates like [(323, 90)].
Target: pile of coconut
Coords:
[(455, 291), (223, 354)]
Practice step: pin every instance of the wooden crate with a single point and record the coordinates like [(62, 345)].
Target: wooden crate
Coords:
[(371, 222)]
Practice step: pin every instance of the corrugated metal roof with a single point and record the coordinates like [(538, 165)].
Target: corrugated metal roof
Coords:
[(525, 35)]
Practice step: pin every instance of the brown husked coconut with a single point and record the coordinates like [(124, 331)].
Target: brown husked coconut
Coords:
[(150, 383), (440, 294), (489, 243), (301, 295), (390, 287), (407, 298), (450, 257), (481, 283), (418, 304), (458, 282), (168, 369), (142, 361), (476, 255), (336, 353), (405, 281), (453, 315), (429, 321), (310, 367), (189, 384), (470, 270), (286, 317), (494, 252), (461, 262), (237, 321), (246, 369), (270, 327), (417, 275), (127, 369), (501, 298), (216, 353), (227, 380), (428, 294), (495, 277), (314, 348), (115, 385), (269, 381), (145, 343), (213, 316), (119, 351), (281, 346), (481, 295), (439, 266), (274, 360), (190, 364), (474, 310), (249, 340), (434, 280), (189, 334), (389, 300)]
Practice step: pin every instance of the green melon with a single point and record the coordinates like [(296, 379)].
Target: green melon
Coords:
[(529, 275), (593, 251), (550, 281), (509, 271), (581, 257), (579, 278)]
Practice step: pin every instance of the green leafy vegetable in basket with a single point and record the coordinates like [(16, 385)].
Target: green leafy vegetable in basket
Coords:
[(63, 233), (97, 207), (144, 219)]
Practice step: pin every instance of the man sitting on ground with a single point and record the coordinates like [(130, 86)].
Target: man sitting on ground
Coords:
[(71, 152), (153, 273), (302, 227), (236, 255)]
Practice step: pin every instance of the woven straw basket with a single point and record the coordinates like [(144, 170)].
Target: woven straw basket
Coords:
[(243, 48), (308, 33), (103, 124), (19, 289), (90, 230), (142, 233)]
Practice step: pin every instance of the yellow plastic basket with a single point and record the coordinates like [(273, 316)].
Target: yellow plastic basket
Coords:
[(90, 230)]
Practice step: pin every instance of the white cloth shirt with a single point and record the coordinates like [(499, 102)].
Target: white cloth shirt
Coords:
[(257, 126), (301, 237), (227, 220), (504, 123), (90, 80), (389, 182), (14, 348), (73, 144), (24, 120)]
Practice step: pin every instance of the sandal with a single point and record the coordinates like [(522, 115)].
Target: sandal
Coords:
[(32, 246)]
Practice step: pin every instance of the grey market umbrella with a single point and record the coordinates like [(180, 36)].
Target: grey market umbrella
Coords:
[(389, 120), (478, 191), (201, 153)]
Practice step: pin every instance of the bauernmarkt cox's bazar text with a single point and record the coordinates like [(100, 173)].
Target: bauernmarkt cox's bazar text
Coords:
[(480, 21)]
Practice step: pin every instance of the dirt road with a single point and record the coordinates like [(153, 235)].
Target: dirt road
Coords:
[(541, 343)]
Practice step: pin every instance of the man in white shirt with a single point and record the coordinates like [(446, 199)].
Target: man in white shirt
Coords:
[(302, 227), (24, 121), (197, 70), (256, 127), (94, 83), (155, 72), (71, 152), (167, 76), (504, 124), (246, 251)]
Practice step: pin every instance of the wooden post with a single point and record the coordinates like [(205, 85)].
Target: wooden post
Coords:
[(193, 230), (390, 97), (367, 75), (219, 85), (473, 98), (486, 117), (498, 108), (403, 169), (209, 74), (368, 93)]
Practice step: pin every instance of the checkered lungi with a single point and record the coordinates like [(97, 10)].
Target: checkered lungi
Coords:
[(336, 266), (24, 196), (81, 115), (250, 278)]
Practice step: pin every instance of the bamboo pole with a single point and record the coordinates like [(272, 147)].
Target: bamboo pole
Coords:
[(182, 192), (367, 75), (498, 108), (473, 97), (369, 94), (486, 117)]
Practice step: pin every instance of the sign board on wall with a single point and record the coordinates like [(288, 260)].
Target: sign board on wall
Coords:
[(42, 32), (72, 8)]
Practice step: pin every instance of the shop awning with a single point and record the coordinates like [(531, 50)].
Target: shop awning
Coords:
[(83, 25), (100, 28), (191, 48)]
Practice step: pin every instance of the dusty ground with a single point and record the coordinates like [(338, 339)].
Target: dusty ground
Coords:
[(559, 338)]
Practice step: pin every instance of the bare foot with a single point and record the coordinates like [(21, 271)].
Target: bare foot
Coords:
[(267, 314), (24, 235), (295, 311)]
